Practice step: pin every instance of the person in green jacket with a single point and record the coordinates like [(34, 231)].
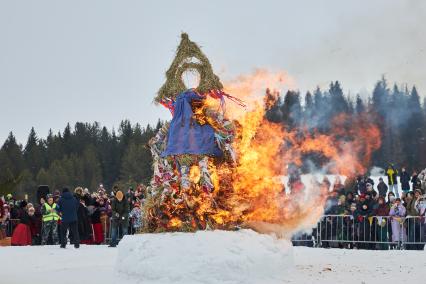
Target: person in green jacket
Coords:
[(50, 221)]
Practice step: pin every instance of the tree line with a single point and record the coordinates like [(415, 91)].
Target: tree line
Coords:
[(88, 154), (397, 111), (85, 155)]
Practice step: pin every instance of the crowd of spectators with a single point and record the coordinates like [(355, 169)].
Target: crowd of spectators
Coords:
[(358, 214), (362, 214), (102, 217)]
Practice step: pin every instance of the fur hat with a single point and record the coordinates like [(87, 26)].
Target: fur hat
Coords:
[(78, 190)]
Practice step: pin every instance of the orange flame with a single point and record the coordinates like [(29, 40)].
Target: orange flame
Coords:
[(264, 149), (251, 191)]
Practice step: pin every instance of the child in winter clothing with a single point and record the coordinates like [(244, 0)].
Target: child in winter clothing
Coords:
[(136, 215)]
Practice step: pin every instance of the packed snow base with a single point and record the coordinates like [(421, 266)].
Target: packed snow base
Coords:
[(204, 257), (164, 258)]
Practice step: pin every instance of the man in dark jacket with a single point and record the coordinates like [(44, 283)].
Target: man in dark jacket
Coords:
[(363, 211), (68, 207), (405, 181), (120, 217), (382, 188)]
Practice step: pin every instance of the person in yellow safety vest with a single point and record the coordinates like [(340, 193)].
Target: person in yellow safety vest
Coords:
[(50, 221)]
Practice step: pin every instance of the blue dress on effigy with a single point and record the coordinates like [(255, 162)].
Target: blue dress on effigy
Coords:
[(186, 135)]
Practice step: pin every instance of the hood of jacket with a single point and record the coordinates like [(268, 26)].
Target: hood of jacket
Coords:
[(67, 195)]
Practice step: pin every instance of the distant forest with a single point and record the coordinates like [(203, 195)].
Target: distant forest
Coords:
[(88, 154)]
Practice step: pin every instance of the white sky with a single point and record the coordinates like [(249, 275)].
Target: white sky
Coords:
[(87, 60)]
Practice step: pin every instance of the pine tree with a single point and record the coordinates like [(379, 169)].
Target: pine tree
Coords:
[(13, 159), (136, 164), (33, 153), (360, 107), (291, 109), (309, 105), (413, 131), (272, 103), (42, 177), (340, 105)]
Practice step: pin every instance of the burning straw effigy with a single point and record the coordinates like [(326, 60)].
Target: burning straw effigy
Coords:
[(193, 154)]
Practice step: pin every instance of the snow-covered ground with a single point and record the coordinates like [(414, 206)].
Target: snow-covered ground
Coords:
[(163, 257)]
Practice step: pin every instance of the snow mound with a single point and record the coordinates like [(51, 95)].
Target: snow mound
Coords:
[(203, 257)]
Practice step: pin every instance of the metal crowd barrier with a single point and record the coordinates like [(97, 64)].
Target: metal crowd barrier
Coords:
[(372, 232), (107, 226)]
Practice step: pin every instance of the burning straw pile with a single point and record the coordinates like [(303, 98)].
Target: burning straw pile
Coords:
[(221, 170)]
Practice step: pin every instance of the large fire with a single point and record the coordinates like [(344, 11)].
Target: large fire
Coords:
[(250, 191)]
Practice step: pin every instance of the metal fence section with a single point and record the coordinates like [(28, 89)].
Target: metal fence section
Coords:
[(365, 232), (334, 231), (107, 230), (416, 232)]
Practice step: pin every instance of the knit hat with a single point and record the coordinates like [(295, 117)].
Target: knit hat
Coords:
[(119, 195)]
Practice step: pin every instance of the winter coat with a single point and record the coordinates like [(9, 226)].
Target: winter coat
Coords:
[(361, 186), (136, 215), (361, 212), (382, 210), (84, 227), (392, 176), (96, 216), (411, 208), (417, 183), (405, 181), (120, 211), (68, 206), (398, 233), (1, 209), (382, 188)]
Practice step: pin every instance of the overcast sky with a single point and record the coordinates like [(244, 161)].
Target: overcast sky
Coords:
[(86, 60)]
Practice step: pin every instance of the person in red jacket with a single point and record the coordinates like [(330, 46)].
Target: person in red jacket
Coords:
[(22, 234)]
